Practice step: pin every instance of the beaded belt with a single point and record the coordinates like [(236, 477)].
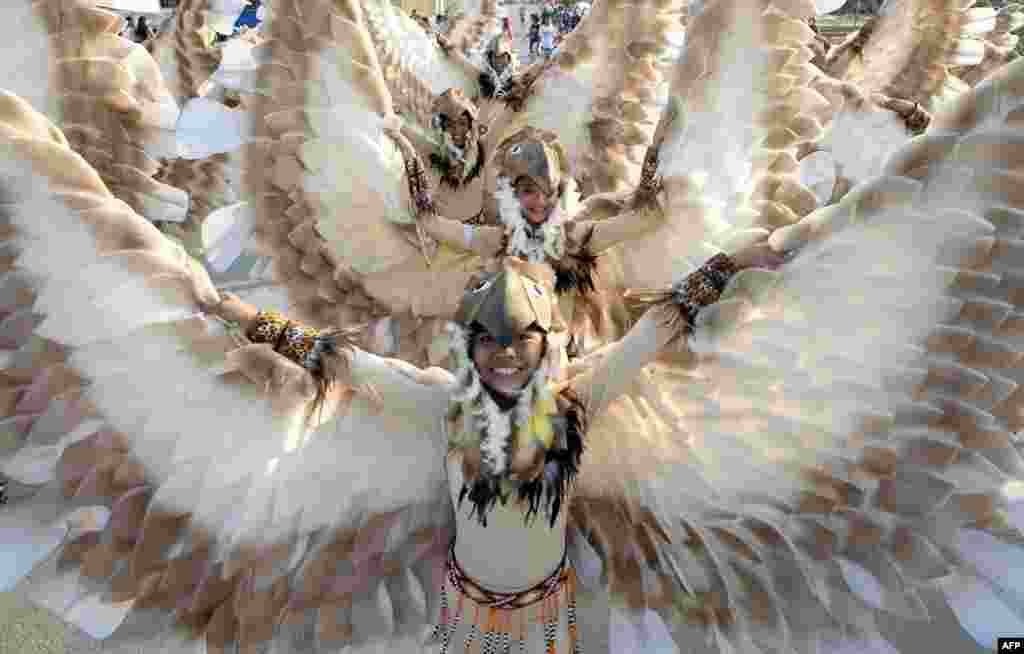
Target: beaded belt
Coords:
[(493, 626), (518, 600)]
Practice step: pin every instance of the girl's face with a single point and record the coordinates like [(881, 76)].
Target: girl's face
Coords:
[(459, 130), (507, 370), (533, 201)]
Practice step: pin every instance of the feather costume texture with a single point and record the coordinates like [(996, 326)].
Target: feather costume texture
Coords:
[(831, 463), (107, 95)]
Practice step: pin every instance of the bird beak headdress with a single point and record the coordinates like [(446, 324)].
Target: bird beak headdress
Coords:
[(510, 445), (450, 105), (536, 155), (511, 299)]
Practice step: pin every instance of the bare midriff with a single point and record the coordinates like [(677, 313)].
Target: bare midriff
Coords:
[(507, 555)]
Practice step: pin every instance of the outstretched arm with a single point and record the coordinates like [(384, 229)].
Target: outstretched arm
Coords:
[(285, 355), (665, 325), (485, 241), (644, 213)]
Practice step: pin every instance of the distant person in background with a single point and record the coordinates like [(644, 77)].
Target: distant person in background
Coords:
[(522, 15), (547, 37), (142, 31), (128, 29), (534, 34), (547, 12), (506, 27)]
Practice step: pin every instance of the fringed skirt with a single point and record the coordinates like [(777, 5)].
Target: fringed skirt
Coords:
[(475, 620)]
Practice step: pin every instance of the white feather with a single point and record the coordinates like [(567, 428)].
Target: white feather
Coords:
[(352, 163), (861, 141), (25, 64), (562, 103), (416, 52), (818, 173), (205, 128)]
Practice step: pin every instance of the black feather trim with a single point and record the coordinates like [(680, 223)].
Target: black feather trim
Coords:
[(581, 273), (487, 87), (579, 276), (483, 494), (552, 486)]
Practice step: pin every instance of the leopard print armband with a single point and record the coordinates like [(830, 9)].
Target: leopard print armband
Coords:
[(703, 287)]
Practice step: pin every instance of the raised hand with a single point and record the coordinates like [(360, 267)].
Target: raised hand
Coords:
[(419, 189)]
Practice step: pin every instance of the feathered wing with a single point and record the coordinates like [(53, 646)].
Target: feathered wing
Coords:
[(416, 69), (163, 481), (109, 98), (600, 93), (999, 45), (211, 85), (884, 81), (837, 465), (907, 51), (743, 101), (329, 186), (471, 33), (185, 52)]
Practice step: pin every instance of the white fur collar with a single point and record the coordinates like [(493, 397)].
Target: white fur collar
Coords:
[(487, 424), (535, 244)]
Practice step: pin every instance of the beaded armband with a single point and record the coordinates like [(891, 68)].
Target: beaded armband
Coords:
[(302, 344), (418, 188), (703, 287), (650, 182)]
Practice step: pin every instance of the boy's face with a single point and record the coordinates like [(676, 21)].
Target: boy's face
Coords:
[(507, 369)]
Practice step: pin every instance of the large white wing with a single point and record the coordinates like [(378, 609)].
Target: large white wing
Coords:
[(601, 92), (741, 104), (908, 49), (839, 468), (416, 68), (328, 184), (201, 500)]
